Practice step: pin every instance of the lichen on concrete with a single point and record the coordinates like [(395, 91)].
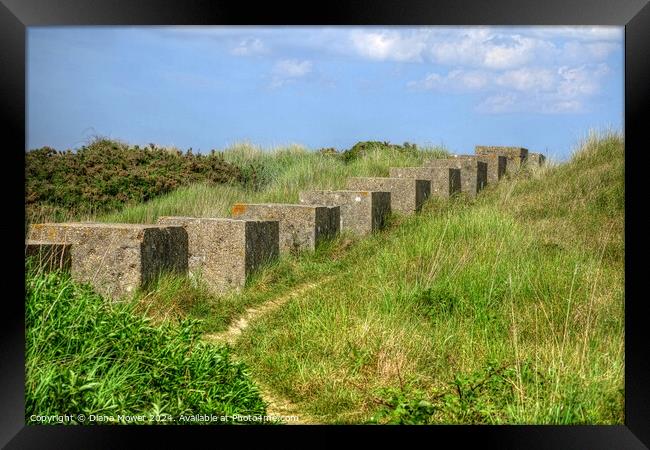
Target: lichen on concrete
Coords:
[(536, 159), (496, 165), (516, 156), (473, 173), (445, 181)]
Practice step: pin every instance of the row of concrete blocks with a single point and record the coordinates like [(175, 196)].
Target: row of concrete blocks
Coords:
[(516, 157), (119, 258)]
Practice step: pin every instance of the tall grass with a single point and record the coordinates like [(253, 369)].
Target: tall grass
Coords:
[(507, 309), (281, 174), (87, 359)]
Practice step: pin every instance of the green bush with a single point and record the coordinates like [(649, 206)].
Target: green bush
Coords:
[(106, 175), (360, 149), (482, 396), (87, 356)]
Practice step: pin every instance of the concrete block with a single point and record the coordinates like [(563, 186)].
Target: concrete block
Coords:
[(117, 259), (536, 159), (225, 252), (49, 256), (301, 227), (496, 165), (445, 181), (516, 155), (361, 212), (473, 173), (406, 194)]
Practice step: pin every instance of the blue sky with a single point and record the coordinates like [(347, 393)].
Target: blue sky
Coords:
[(211, 87)]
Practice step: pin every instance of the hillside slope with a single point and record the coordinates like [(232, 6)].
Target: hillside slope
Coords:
[(508, 309)]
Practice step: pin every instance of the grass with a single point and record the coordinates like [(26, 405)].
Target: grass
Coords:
[(507, 308), (504, 309), (108, 364), (281, 174)]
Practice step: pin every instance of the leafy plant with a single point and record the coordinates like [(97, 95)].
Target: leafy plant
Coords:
[(87, 356), (106, 175)]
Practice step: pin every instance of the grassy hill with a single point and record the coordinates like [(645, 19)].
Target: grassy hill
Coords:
[(504, 309)]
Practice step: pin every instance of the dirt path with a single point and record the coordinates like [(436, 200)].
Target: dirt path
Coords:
[(236, 328), (282, 408), (277, 406)]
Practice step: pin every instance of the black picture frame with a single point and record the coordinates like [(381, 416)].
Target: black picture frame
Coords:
[(16, 15)]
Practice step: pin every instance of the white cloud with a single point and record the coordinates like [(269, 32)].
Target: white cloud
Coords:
[(288, 70), (519, 51), (533, 89), (388, 45), (574, 51), (490, 47), (558, 105), (456, 80), (527, 79), (493, 48), (292, 68), (581, 81), (581, 33), (511, 102), (486, 49), (249, 46), (541, 68)]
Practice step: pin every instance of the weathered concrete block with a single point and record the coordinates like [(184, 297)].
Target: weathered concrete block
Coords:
[(406, 194), (516, 155), (361, 212), (49, 256), (301, 227), (536, 159), (116, 259), (445, 181), (225, 252), (473, 173), (496, 165)]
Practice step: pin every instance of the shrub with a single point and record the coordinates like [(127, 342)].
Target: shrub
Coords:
[(105, 175), (359, 149), (87, 356)]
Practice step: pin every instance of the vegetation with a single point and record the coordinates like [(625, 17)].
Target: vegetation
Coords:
[(507, 308), (113, 181), (504, 309), (106, 174), (279, 177), (360, 149), (106, 363)]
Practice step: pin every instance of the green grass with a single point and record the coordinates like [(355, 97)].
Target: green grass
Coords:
[(507, 308), (87, 357), (281, 174), (504, 309)]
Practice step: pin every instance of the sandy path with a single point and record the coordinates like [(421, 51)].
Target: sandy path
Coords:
[(277, 406)]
